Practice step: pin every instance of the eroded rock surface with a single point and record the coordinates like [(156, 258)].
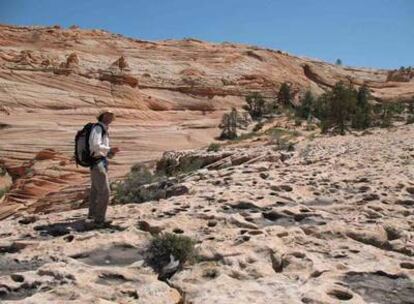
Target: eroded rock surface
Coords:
[(333, 223)]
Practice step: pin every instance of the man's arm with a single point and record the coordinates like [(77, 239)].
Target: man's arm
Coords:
[(96, 145)]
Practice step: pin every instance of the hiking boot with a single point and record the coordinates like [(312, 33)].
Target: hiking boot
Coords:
[(89, 223), (104, 224)]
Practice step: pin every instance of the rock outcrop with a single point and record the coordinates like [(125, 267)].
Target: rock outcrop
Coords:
[(48, 182)]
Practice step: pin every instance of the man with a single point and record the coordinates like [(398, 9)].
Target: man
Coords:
[(100, 151)]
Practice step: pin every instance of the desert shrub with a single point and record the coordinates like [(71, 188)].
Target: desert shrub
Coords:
[(174, 167), (338, 62), (272, 107), (386, 113), (410, 119), (404, 74), (228, 125), (169, 244), (133, 189), (281, 143), (211, 273), (278, 132), (258, 126), (304, 111), (280, 138), (298, 122), (2, 171), (166, 166), (398, 108), (213, 147), (255, 105), (343, 106), (188, 165), (362, 116), (3, 191), (284, 95), (410, 107)]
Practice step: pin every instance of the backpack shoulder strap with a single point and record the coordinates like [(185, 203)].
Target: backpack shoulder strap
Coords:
[(102, 128)]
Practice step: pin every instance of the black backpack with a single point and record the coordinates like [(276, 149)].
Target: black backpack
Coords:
[(83, 155)]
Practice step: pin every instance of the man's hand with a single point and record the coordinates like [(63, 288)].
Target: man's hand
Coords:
[(114, 150)]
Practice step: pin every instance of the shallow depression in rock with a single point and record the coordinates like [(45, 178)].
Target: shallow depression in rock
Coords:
[(116, 255), (379, 287)]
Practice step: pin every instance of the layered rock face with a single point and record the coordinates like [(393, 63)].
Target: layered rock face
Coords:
[(74, 68), (331, 222), (167, 95)]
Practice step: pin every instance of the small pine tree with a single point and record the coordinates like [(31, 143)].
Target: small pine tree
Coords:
[(342, 105), (306, 104), (338, 62), (285, 95), (335, 108), (386, 116), (321, 110), (229, 125), (362, 115), (255, 105), (410, 107)]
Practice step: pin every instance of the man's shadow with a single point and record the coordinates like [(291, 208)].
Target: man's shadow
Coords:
[(64, 228)]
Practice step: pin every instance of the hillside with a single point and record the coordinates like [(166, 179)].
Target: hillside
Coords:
[(167, 95)]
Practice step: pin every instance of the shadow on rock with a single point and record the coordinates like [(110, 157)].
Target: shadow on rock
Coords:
[(64, 228)]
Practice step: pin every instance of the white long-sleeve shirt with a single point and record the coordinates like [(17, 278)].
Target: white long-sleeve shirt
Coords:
[(98, 144)]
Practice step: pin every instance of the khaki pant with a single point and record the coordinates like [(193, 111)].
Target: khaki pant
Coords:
[(100, 192)]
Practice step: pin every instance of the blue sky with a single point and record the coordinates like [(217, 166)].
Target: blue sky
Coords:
[(370, 33)]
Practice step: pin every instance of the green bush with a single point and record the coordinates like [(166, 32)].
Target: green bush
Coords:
[(278, 132), (304, 111), (362, 116), (3, 191), (282, 143), (285, 96), (189, 165), (258, 126), (134, 188), (166, 166), (281, 138), (173, 167), (386, 113), (410, 119), (341, 107), (2, 171), (410, 107), (164, 245), (213, 147), (228, 125), (256, 105)]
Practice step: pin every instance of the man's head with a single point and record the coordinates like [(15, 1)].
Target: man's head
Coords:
[(106, 117)]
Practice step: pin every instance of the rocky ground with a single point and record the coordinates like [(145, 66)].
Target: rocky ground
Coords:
[(331, 222)]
